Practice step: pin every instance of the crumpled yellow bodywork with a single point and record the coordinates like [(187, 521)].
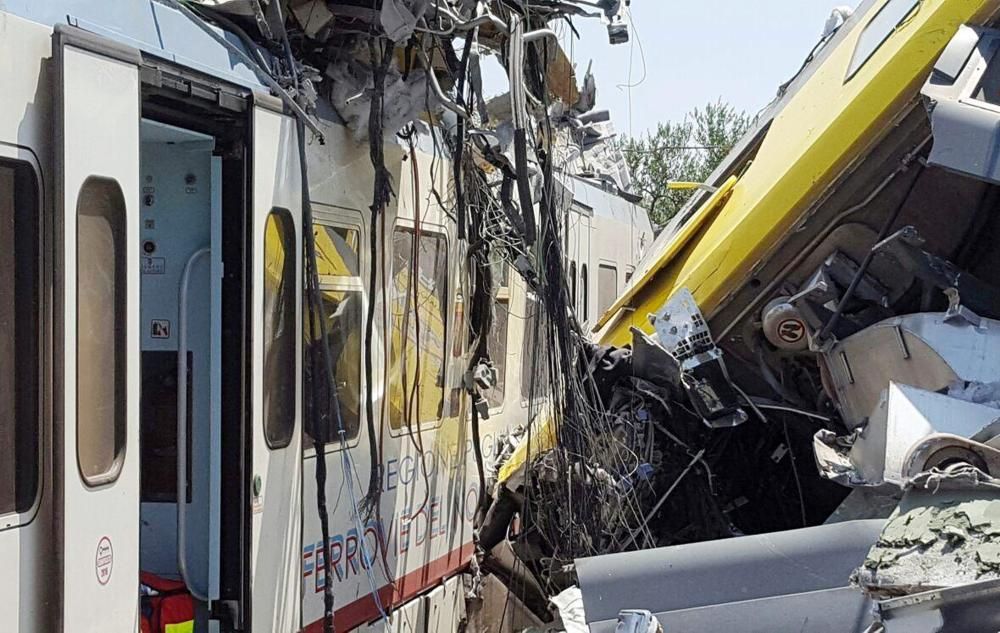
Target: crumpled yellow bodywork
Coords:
[(824, 126)]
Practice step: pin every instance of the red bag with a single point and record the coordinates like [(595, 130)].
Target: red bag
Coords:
[(170, 609)]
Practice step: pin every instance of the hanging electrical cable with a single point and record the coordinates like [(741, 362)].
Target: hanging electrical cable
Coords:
[(379, 57)]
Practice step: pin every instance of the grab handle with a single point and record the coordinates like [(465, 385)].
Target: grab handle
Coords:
[(182, 384)]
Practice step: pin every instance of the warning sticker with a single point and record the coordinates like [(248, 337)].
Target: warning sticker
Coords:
[(791, 330), (160, 328), (104, 561), (154, 266)]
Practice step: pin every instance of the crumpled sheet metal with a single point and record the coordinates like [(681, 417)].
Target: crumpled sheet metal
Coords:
[(540, 439), (399, 17), (569, 604), (405, 100), (984, 393), (312, 15), (833, 459)]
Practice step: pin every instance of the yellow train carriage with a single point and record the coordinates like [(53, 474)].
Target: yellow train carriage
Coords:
[(849, 98)]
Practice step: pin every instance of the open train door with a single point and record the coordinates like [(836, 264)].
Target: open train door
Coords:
[(276, 475), (96, 431)]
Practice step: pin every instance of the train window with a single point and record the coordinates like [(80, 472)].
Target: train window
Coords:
[(879, 29), (534, 351), (100, 330), (584, 293), (496, 343), (572, 284), (418, 298), (337, 252), (457, 349), (19, 420), (607, 287), (280, 267), (341, 290)]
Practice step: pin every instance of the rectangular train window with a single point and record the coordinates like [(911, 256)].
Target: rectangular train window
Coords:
[(101, 296), (880, 28), (280, 267), (496, 344), (572, 286), (418, 303), (19, 415), (342, 292), (458, 340), (535, 373), (607, 287)]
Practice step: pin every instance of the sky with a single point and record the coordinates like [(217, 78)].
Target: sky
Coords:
[(696, 52)]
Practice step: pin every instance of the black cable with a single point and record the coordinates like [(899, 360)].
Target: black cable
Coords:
[(380, 199), (316, 307)]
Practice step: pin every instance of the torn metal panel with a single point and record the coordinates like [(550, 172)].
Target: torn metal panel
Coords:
[(399, 17), (683, 331), (406, 98), (313, 16), (245, 8)]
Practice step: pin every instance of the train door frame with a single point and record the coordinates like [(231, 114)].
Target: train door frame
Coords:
[(176, 95), (276, 506)]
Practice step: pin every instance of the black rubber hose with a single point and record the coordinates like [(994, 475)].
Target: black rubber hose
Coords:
[(524, 186)]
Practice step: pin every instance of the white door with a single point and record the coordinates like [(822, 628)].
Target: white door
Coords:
[(97, 429), (275, 484)]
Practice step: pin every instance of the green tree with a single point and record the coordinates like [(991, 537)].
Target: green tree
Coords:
[(685, 151)]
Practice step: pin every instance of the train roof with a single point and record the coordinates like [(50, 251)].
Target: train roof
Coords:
[(149, 26)]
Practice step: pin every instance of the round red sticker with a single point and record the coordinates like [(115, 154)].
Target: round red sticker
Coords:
[(104, 560)]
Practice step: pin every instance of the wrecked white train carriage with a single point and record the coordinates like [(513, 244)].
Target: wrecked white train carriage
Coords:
[(154, 298), (842, 282)]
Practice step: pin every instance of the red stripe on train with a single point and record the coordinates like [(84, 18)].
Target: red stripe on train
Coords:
[(364, 610)]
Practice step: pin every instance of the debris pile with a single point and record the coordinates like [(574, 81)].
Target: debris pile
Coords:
[(639, 468)]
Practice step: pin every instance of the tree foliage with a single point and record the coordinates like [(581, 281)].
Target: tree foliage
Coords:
[(686, 151)]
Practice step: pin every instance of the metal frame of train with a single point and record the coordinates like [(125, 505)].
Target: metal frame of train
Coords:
[(150, 202)]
